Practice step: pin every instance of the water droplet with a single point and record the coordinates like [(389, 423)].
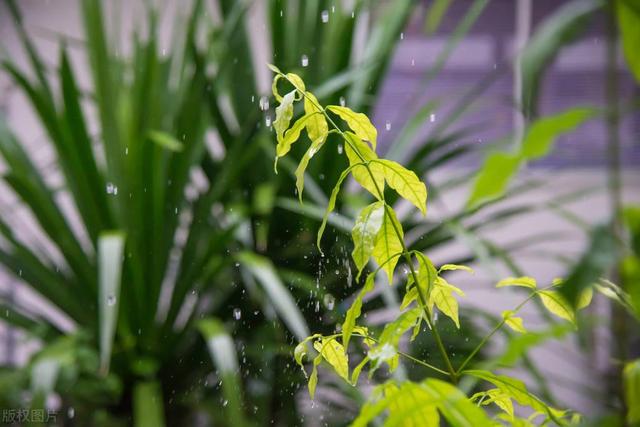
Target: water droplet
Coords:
[(111, 300), (267, 121), (112, 189), (432, 117), (333, 9), (325, 16), (353, 15), (413, 62), (237, 313), (387, 125), (264, 103), (225, 402), (71, 412), (343, 101), (401, 36), (304, 60), (340, 148), (329, 301), (253, 99)]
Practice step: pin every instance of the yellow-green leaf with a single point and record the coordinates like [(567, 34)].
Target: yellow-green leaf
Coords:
[(442, 296), (292, 78), (356, 371), (513, 321), (371, 178), (410, 296), (313, 378), (524, 281), (284, 113), (333, 352), (354, 311), (364, 233), (426, 274), (290, 137), (585, 298), (631, 377), (388, 244), (556, 304), (315, 146), (405, 182), (317, 127), (448, 267), (358, 122)]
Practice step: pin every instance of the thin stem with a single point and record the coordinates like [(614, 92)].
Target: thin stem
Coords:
[(401, 353), (405, 253), (497, 328)]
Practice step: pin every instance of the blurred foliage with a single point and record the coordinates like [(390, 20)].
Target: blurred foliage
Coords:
[(178, 161)]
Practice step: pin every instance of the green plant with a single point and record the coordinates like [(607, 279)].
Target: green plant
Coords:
[(378, 235)]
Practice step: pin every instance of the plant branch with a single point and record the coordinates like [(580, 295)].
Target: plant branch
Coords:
[(405, 253)]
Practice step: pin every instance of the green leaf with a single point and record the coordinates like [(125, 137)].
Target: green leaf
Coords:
[(165, 140), (558, 305), (364, 232), (284, 114), (601, 254), (629, 25), (513, 321), (358, 122), (435, 13), (539, 139), (370, 177), (405, 182), (524, 281), (110, 255), (551, 36), (292, 78), (631, 377), (388, 244), (354, 311), (411, 405), (458, 410), (301, 350), (334, 353), (494, 176), (264, 272), (148, 408), (223, 353)]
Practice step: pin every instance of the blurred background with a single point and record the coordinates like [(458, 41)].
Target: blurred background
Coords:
[(139, 203)]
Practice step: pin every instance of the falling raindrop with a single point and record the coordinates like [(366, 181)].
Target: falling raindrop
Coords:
[(329, 301), (267, 121), (71, 412), (264, 103), (432, 117), (225, 402), (111, 300), (339, 148), (343, 101), (401, 36), (413, 62), (325, 16), (333, 9), (353, 15), (304, 60), (237, 313), (387, 125)]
